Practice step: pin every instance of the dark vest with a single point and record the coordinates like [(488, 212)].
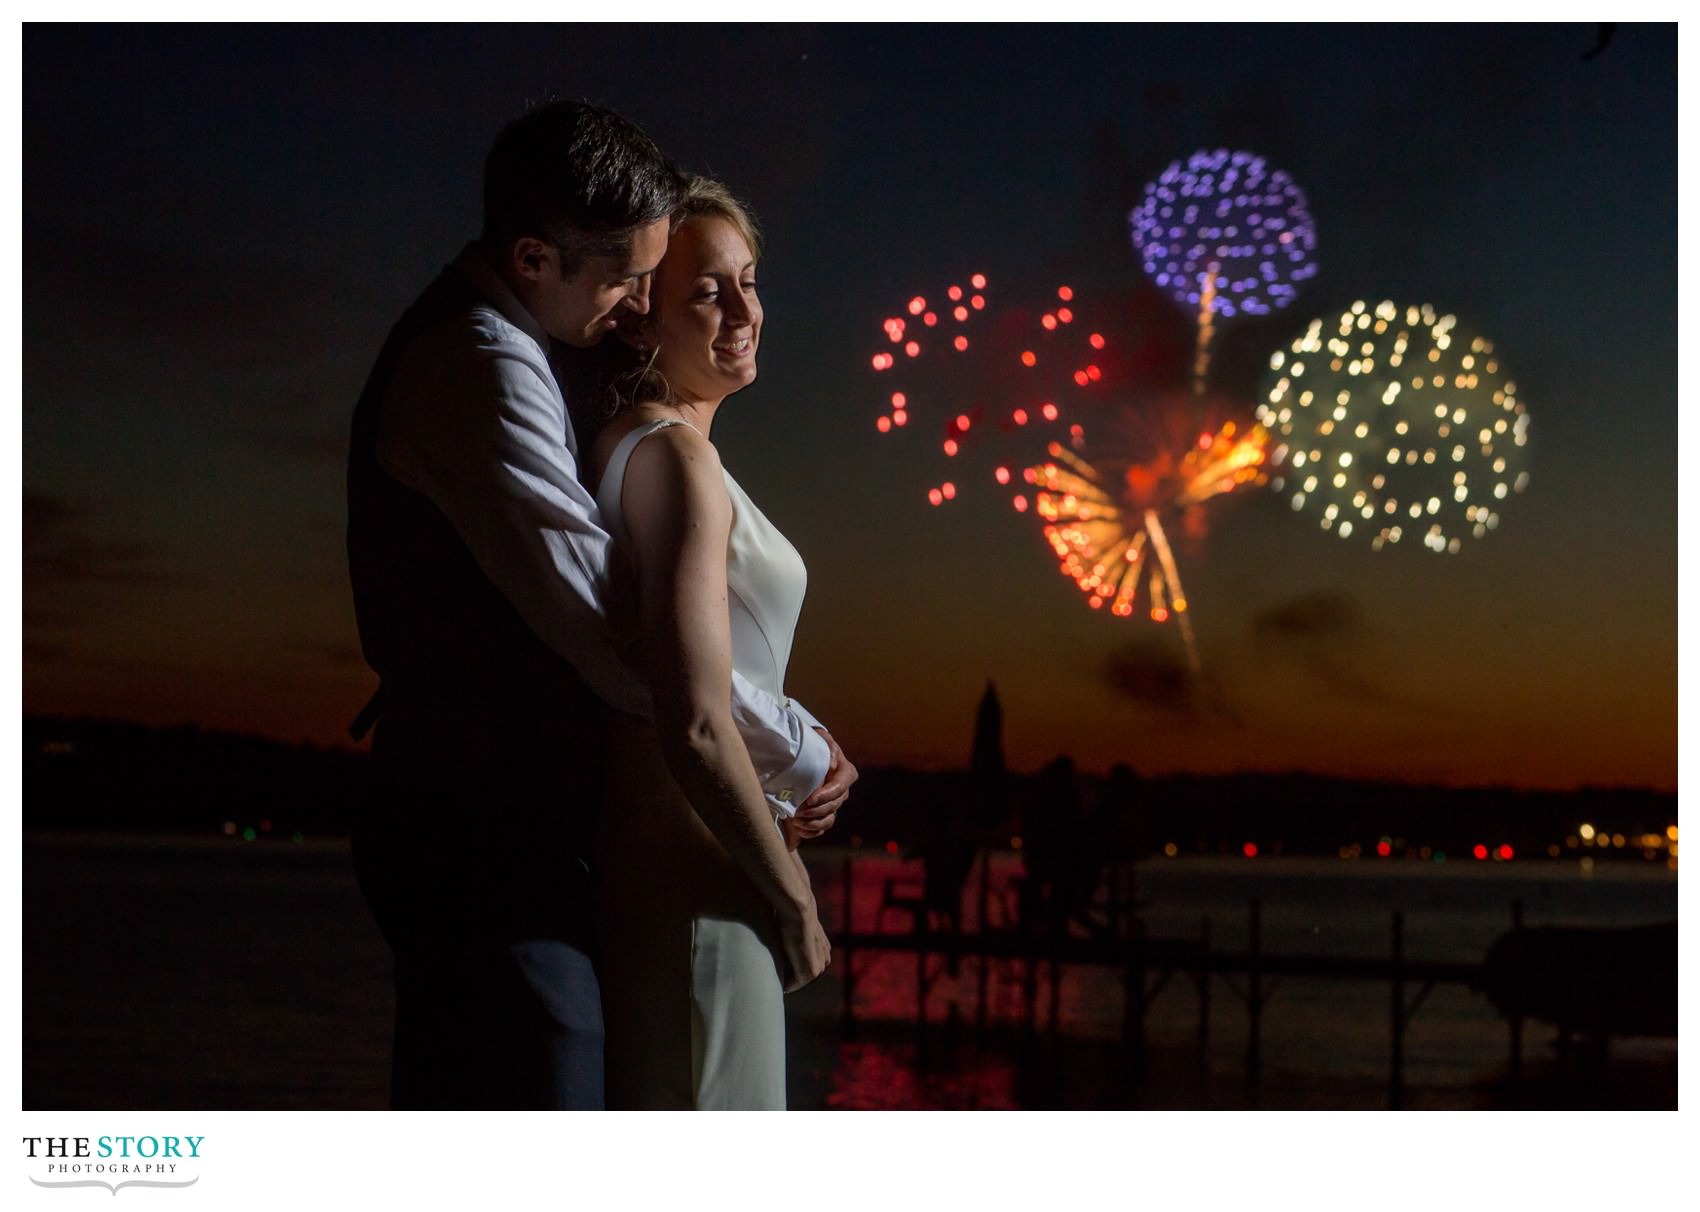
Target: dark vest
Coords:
[(471, 699)]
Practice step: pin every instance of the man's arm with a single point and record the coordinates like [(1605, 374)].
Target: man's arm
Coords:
[(474, 422)]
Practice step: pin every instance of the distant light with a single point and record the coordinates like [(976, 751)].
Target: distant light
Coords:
[(1384, 848), (1249, 849), (230, 829), (1480, 851), (1505, 851), (891, 847), (1587, 832), (1170, 849), (248, 834)]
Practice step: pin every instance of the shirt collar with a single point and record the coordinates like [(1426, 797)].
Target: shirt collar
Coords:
[(488, 283)]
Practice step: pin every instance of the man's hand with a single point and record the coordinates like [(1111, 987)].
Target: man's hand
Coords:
[(818, 813)]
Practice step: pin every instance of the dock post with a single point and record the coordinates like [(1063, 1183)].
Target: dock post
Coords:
[(1254, 1000), (1133, 998), (1204, 995), (980, 929), (1516, 1020), (847, 985), (1396, 1080)]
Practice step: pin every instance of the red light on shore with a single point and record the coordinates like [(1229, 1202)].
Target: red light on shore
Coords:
[(1384, 848), (1250, 849), (891, 847), (1505, 852), (1481, 851)]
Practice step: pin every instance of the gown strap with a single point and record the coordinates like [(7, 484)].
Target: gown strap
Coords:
[(614, 477)]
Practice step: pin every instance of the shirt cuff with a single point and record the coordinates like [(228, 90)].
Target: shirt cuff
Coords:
[(787, 789)]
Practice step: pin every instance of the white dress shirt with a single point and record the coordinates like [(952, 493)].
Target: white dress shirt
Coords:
[(474, 420)]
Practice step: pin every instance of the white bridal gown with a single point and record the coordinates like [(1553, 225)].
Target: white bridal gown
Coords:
[(692, 1001)]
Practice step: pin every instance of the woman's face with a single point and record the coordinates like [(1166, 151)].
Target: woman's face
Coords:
[(705, 318)]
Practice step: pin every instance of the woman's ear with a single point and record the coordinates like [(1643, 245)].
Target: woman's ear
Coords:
[(635, 330)]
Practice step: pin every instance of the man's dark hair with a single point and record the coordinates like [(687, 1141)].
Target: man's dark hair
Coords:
[(577, 175)]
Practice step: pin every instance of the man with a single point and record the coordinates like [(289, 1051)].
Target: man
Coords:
[(480, 580)]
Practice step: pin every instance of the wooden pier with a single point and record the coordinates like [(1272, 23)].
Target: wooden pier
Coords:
[(1147, 966)]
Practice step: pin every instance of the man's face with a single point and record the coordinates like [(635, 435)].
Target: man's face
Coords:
[(581, 308)]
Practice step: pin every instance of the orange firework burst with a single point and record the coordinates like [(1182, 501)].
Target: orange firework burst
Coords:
[(1107, 534)]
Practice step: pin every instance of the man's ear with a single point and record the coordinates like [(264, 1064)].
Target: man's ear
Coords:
[(531, 258)]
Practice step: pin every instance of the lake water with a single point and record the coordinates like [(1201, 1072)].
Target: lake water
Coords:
[(209, 972)]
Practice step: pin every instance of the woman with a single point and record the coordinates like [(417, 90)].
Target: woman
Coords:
[(705, 914)]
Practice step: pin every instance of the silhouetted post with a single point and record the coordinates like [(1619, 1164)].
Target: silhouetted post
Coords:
[(1133, 998), (1396, 1092), (849, 924), (1254, 998), (980, 929), (1516, 1020), (1204, 996)]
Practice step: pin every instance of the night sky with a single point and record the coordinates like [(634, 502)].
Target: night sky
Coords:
[(221, 224)]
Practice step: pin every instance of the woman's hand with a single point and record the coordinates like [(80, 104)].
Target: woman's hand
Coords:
[(819, 812), (804, 949)]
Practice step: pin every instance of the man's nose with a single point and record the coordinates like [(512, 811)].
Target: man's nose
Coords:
[(638, 299)]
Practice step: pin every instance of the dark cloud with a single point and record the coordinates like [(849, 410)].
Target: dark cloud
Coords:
[(1325, 614), (1150, 676)]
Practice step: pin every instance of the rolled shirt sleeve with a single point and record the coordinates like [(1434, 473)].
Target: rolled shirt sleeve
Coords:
[(474, 421)]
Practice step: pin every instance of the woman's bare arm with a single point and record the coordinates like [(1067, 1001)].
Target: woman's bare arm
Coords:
[(678, 516)]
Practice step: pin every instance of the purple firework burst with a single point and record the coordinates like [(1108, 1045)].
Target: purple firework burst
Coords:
[(1226, 214)]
